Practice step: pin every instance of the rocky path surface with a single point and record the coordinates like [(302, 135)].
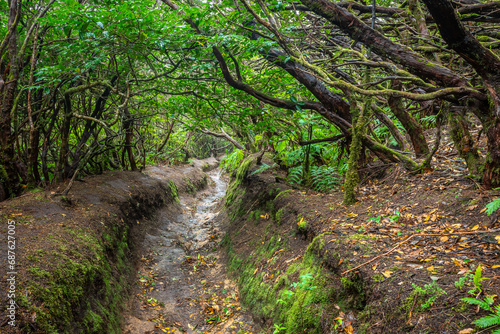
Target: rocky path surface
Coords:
[(181, 286)]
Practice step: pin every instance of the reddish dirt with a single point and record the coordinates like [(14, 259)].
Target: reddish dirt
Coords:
[(406, 230)]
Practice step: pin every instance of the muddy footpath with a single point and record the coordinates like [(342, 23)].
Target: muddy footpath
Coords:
[(122, 252), (182, 285)]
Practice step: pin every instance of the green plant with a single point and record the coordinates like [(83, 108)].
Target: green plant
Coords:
[(431, 291), (324, 178), (302, 224), (491, 320), (462, 281), (278, 328), (295, 175), (476, 279), (263, 168), (492, 206), (231, 161)]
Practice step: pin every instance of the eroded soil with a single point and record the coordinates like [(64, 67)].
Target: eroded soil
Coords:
[(181, 284)]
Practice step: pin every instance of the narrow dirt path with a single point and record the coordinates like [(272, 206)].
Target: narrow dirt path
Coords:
[(181, 286)]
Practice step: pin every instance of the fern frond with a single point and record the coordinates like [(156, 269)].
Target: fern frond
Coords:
[(491, 320), (295, 174), (473, 301), (492, 206), (262, 168)]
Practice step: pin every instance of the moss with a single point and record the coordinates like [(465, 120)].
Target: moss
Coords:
[(279, 216), (81, 278), (174, 191), (284, 193), (362, 236), (234, 189), (190, 188), (302, 225), (3, 174), (268, 299)]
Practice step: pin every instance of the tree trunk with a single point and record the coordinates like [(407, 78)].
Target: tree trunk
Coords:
[(411, 126), (62, 166), (464, 143), (486, 64), (396, 134), (128, 126), (9, 176)]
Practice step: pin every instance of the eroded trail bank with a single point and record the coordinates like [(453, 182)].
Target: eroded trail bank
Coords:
[(77, 257), (181, 283), (399, 261)]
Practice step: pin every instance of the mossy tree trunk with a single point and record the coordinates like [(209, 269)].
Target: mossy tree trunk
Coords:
[(411, 126), (355, 150), (486, 64), (9, 77), (464, 143)]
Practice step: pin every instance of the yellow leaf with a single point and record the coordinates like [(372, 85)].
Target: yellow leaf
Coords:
[(475, 227), (483, 210), (497, 238), (495, 266), (431, 268), (374, 267), (387, 273), (444, 239)]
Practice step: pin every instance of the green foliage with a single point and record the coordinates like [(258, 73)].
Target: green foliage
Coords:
[(263, 168), (464, 280), (231, 161), (278, 328), (324, 178), (492, 206), (491, 320), (472, 279), (427, 295)]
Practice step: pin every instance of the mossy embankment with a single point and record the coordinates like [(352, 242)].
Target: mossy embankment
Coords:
[(75, 255), (282, 279), (299, 259)]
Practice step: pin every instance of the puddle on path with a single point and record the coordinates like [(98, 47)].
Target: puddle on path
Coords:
[(181, 287)]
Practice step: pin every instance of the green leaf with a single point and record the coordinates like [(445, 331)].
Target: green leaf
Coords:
[(492, 206), (488, 321)]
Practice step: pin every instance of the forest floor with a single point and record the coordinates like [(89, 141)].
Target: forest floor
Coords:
[(409, 230), (403, 256)]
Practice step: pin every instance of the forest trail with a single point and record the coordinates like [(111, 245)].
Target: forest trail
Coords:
[(181, 284)]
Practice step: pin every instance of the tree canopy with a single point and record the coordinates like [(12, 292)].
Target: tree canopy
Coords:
[(329, 87)]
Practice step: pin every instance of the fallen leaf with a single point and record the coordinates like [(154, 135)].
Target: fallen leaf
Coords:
[(387, 273), (444, 239), (466, 331), (475, 227), (431, 268)]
